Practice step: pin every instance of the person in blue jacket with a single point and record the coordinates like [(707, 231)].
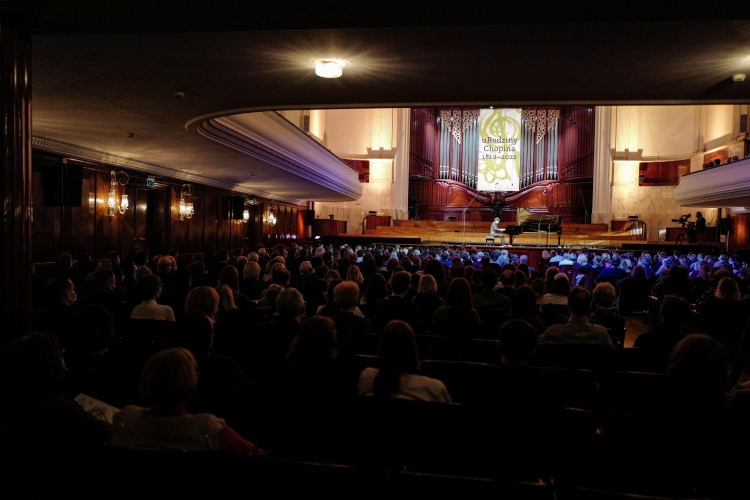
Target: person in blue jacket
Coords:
[(614, 270)]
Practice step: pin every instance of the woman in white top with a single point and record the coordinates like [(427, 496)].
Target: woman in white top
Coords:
[(558, 292), (399, 366), (149, 289)]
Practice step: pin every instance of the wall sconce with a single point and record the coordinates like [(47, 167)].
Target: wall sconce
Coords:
[(186, 208), (269, 219), (112, 206)]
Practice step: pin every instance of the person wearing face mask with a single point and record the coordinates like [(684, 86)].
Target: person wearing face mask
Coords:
[(149, 289), (55, 317), (104, 284)]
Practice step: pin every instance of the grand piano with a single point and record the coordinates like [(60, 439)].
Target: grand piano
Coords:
[(535, 223)]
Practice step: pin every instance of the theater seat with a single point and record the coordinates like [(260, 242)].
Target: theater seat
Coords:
[(480, 351), (466, 382), (586, 356), (437, 485), (436, 347), (150, 330)]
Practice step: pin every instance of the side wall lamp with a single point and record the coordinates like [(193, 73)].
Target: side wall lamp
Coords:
[(121, 179), (186, 208)]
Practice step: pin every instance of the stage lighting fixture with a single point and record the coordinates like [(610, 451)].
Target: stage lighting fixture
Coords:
[(329, 68)]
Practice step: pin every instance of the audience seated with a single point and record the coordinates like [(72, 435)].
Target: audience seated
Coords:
[(397, 375), (525, 308), (508, 282), (55, 317), (104, 284), (312, 372), (725, 314), (426, 299), (33, 411), (459, 308), (558, 292), (675, 321), (578, 330), (602, 311), (396, 306), (229, 313), (352, 330), (167, 383), (517, 342), (149, 289)]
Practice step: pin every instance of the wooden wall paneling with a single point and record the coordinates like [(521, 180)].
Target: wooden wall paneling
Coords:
[(179, 230), (211, 222), (740, 237), (224, 227), (79, 223), (255, 227), (195, 223), (143, 221), (109, 230), (45, 229)]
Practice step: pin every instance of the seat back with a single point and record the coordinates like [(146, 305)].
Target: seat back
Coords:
[(583, 356), (480, 351), (149, 330), (590, 283), (437, 347), (466, 382)]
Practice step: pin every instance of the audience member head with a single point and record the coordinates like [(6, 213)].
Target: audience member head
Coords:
[(520, 279), (142, 271), (226, 298), (728, 290), (699, 363), (280, 276), (639, 272), (141, 258), (508, 278), (321, 271), (355, 275), (539, 286), (306, 267), (63, 262), (164, 265), (60, 289), (551, 273), (434, 268), (148, 287), (346, 295), (560, 285), (397, 354), (104, 280), (459, 295), (314, 346), (427, 284), (604, 295), (489, 279), (169, 379), (290, 304), (400, 283), (675, 310), (579, 301), (376, 289), (128, 267), (272, 295), (204, 299), (517, 342)]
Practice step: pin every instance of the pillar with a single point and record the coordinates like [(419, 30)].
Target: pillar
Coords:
[(15, 244), (601, 212)]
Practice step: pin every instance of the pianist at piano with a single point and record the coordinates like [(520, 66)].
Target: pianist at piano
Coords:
[(496, 231)]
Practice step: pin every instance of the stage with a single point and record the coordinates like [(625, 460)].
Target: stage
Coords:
[(473, 233)]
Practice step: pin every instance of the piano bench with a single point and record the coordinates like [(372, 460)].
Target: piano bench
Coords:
[(489, 238)]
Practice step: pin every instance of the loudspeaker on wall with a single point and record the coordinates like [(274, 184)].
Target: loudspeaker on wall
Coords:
[(233, 207)]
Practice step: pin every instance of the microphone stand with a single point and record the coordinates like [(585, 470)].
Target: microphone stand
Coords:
[(463, 236), (585, 210)]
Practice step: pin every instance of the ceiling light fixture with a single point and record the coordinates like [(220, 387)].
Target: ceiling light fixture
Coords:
[(329, 68), (739, 77)]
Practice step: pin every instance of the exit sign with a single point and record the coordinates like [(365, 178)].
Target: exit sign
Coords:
[(151, 182)]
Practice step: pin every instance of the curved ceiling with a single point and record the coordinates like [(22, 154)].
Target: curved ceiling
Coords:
[(92, 90)]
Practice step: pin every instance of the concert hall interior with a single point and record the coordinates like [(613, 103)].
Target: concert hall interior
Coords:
[(375, 247)]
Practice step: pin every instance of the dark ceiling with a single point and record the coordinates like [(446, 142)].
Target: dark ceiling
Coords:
[(105, 68)]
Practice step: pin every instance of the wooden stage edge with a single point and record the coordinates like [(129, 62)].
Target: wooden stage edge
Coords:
[(537, 244)]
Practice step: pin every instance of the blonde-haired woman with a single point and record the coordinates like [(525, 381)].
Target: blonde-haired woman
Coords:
[(167, 382), (426, 299), (251, 284), (204, 299), (355, 275)]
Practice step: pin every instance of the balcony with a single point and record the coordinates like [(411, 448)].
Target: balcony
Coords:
[(726, 186)]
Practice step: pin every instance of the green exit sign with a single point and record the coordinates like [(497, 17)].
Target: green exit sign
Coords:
[(151, 182)]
